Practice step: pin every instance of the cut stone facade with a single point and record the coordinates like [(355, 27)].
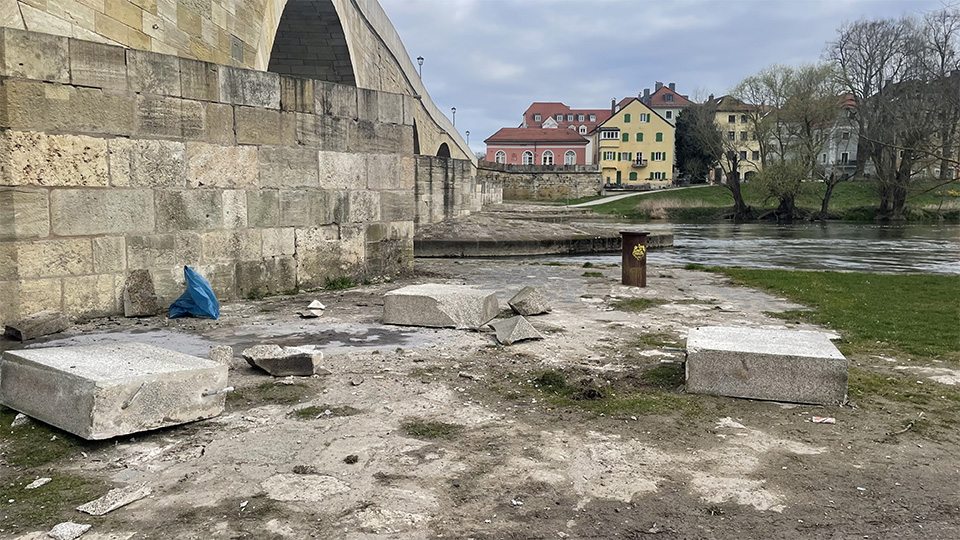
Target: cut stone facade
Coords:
[(542, 182), (114, 160), (448, 188)]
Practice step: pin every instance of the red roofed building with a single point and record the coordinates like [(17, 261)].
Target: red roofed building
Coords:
[(537, 146), (665, 101), (549, 115)]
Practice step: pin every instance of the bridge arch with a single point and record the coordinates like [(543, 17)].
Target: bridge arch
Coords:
[(444, 150), (310, 42)]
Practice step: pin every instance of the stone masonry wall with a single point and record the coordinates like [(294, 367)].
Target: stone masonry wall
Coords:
[(543, 182), (116, 159), (448, 188)]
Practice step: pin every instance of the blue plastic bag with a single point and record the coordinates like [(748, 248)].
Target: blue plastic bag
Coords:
[(198, 300)]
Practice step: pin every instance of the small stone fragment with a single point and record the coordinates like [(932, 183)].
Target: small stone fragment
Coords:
[(514, 329), (68, 530), (283, 361), (37, 483), (221, 354), (115, 498), (20, 420), (351, 459), (310, 313), (316, 305), (529, 301), (39, 324), (139, 295)]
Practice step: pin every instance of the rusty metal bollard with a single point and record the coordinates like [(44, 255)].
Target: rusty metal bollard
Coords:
[(634, 265)]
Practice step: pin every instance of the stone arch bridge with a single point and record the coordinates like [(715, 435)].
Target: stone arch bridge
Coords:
[(270, 144)]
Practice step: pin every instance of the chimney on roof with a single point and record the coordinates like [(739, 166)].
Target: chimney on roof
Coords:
[(613, 105), (673, 87), (711, 98), (658, 85), (646, 95)]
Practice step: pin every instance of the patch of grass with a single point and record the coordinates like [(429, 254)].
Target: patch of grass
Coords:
[(339, 283), (659, 340), (256, 294), (666, 276), (593, 274), (320, 411), (36, 443), (267, 393), (555, 263), (915, 314), (422, 429), (634, 305), (694, 266), (665, 376), (44, 507)]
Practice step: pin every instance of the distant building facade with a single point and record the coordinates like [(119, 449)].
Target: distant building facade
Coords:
[(635, 147), (537, 146), (665, 101), (733, 119)]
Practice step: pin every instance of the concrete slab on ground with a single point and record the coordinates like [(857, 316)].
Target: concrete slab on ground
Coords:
[(441, 306), (776, 365), (104, 391)]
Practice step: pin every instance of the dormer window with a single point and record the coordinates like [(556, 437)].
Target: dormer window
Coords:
[(559, 118), (593, 118), (668, 98), (536, 118)]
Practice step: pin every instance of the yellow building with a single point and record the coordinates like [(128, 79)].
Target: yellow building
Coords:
[(736, 121), (635, 147)]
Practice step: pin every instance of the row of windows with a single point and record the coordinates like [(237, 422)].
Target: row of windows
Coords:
[(625, 137), (653, 176), (732, 119), (644, 118), (569, 158), (628, 156), (732, 135), (755, 155), (559, 117)]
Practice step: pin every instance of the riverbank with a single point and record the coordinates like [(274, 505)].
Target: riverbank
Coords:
[(438, 432), (852, 201)]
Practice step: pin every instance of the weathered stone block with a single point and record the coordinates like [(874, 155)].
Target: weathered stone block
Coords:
[(139, 296), (151, 251), (34, 55), (33, 105), (10, 16), (263, 209), (410, 103), (218, 126), (778, 365), (397, 206), (368, 107), (336, 100), (278, 242), (383, 171), (34, 295), (250, 88), (91, 296), (390, 108), (161, 117), (529, 301), (364, 206), (442, 306), (37, 325), (283, 361), (152, 73), (224, 246), (109, 254), (275, 275), (361, 137), (305, 208), (514, 329), (76, 212), (195, 209), (389, 138), (40, 159), (104, 391), (323, 253), (147, 163), (265, 126), (97, 65), (296, 94), (219, 166), (54, 258), (407, 175), (199, 80), (24, 213), (234, 209), (288, 167), (322, 132), (342, 170)]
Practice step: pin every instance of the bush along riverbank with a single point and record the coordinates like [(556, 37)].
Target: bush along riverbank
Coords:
[(851, 201)]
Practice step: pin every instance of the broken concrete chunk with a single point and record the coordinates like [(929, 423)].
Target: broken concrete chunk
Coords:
[(514, 329), (103, 391), (115, 498), (37, 325), (284, 361), (777, 365), (222, 354), (139, 296), (440, 306), (38, 483), (20, 420), (68, 530), (529, 301), (310, 313), (316, 305)]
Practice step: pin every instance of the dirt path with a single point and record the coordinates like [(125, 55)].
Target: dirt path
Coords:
[(422, 433)]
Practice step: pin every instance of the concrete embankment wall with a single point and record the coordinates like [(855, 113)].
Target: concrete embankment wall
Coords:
[(114, 159), (542, 182), (449, 188)]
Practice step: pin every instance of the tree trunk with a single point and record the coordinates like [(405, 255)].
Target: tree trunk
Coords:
[(825, 205)]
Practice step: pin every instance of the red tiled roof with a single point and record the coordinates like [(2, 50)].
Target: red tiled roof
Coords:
[(537, 134), (657, 99), (548, 109)]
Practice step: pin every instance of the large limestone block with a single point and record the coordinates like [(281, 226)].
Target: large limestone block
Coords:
[(76, 212), (437, 305), (529, 301), (24, 213), (777, 365), (97, 65), (284, 361), (104, 391), (34, 55), (147, 163), (249, 87), (40, 159), (211, 165)]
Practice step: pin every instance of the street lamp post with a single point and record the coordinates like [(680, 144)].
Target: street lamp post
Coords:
[(420, 62), (468, 137), (454, 111)]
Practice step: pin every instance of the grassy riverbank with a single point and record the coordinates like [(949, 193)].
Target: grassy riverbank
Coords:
[(915, 316), (850, 201)]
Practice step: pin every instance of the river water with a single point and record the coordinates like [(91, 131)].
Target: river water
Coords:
[(912, 248)]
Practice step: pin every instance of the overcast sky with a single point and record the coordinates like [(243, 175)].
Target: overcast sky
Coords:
[(491, 58)]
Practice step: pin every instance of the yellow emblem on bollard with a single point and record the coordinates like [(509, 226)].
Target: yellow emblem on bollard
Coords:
[(639, 252)]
